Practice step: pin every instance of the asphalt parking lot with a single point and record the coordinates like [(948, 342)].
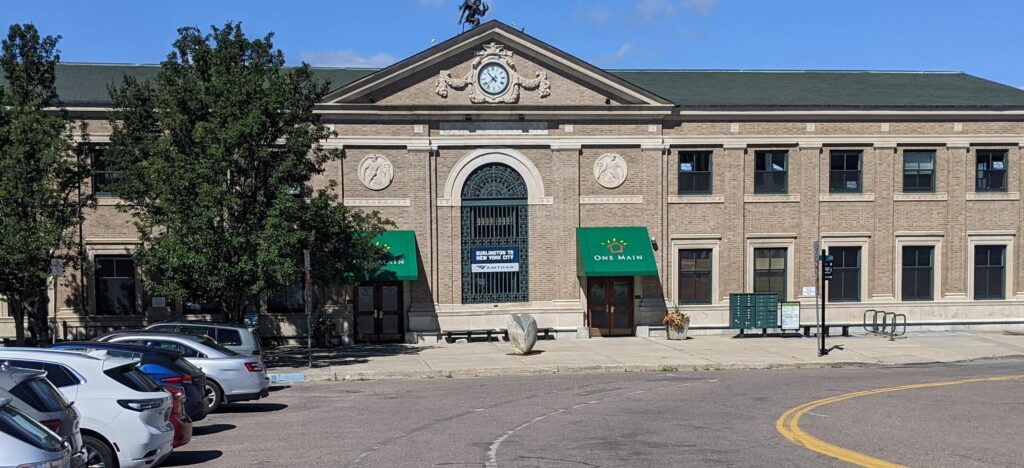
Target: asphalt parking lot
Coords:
[(712, 418)]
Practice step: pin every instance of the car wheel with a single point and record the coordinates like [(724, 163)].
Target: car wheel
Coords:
[(97, 453), (214, 396)]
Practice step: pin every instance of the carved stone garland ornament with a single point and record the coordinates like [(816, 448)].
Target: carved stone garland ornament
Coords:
[(493, 52)]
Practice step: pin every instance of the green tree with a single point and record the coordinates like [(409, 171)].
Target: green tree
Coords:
[(210, 153), (40, 176)]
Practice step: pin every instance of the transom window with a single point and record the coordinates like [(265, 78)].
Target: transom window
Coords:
[(770, 172), (991, 173), (695, 276), (770, 271), (844, 171), (918, 171), (115, 285), (918, 273), (495, 216), (989, 271), (845, 283), (694, 172)]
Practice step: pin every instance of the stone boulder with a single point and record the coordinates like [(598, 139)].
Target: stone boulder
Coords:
[(522, 333)]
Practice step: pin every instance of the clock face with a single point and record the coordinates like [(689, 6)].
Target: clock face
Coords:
[(493, 78)]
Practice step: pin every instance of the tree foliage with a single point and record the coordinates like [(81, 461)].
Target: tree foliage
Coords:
[(40, 176), (209, 153)]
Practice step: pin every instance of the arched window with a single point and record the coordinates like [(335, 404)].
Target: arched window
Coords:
[(495, 236)]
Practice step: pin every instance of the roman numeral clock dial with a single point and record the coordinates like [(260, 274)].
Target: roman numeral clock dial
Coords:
[(493, 79)]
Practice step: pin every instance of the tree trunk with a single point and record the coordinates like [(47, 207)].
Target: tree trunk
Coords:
[(19, 322)]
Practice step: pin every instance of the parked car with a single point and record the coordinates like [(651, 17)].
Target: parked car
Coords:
[(166, 366), (27, 443), (182, 424), (32, 394), (230, 377), (125, 415), (237, 338)]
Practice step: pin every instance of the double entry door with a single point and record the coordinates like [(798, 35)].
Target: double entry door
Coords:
[(610, 306), (378, 312)]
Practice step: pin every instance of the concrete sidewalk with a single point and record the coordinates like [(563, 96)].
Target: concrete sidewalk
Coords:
[(628, 354)]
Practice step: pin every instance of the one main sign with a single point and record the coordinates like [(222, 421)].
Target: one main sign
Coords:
[(494, 259)]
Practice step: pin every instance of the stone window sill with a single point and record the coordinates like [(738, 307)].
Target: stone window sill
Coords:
[(991, 196), (847, 197), (683, 199), (902, 196), (766, 198)]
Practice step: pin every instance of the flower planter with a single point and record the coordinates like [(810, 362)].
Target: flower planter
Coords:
[(678, 333)]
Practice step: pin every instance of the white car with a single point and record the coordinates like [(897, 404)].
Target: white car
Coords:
[(230, 377), (27, 443), (125, 415)]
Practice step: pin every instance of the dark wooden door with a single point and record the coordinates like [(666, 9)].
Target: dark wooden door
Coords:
[(610, 306), (378, 312)]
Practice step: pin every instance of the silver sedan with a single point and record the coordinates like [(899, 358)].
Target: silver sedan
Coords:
[(230, 377)]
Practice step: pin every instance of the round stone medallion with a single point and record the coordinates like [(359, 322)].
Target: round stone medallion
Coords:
[(376, 172), (610, 170)]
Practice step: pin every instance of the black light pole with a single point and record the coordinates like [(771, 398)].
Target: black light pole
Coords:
[(826, 276)]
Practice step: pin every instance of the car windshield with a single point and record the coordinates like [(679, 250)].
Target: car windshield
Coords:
[(18, 425), (41, 395), (213, 344)]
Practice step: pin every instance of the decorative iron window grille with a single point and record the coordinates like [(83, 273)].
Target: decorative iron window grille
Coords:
[(495, 214)]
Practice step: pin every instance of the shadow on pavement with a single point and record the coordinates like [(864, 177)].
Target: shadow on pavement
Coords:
[(251, 408), (278, 388), (194, 457), (211, 429), (296, 356)]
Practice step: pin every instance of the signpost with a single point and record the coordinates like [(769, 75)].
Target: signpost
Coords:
[(56, 271), (826, 275), (308, 299)]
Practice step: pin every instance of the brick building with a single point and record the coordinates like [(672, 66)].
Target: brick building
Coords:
[(523, 179)]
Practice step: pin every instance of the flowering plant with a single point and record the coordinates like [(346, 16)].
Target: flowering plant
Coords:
[(675, 319)]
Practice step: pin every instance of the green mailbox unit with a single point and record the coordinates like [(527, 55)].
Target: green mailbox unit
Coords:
[(754, 310)]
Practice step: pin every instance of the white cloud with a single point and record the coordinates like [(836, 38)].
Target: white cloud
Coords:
[(347, 58), (617, 56), (648, 10), (597, 17), (703, 7)]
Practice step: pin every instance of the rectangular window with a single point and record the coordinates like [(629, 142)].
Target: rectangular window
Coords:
[(694, 172), (991, 175), (289, 299), (115, 285), (918, 171), (104, 176), (770, 172), (989, 271), (845, 284), (770, 271), (844, 172), (695, 276), (918, 270)]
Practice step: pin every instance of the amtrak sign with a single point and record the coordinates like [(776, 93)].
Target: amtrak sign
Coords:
[(494, 259)]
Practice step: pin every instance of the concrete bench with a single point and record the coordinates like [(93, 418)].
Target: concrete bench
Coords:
[(452, 335), (845, 327), (546, 333)]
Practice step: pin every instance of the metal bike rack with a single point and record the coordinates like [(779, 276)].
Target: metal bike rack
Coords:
[(885, 323), (897, 324)]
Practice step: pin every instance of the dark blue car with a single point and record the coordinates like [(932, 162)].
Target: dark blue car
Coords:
[(166, 366)]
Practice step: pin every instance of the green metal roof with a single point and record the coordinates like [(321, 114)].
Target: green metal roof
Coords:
[(84, 84)]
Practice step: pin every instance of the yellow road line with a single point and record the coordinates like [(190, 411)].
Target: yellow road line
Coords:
[(789, 423)]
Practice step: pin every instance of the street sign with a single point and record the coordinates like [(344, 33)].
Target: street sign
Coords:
[(810, 291), (826, 268), (790, 316), (57, 267), (815, 248)]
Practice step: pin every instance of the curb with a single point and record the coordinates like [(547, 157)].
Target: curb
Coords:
[(330, 375)]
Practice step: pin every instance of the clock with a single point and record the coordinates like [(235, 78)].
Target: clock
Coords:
[(493, 78)]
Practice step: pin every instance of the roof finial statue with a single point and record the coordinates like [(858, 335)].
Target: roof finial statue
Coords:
[(471, 11)]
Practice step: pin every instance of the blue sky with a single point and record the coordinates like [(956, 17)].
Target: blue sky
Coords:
[(981, 37)]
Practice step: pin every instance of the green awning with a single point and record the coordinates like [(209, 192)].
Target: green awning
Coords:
[(399, 260), (615, 251)]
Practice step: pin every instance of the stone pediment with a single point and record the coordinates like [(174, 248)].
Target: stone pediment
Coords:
[(491, 65)]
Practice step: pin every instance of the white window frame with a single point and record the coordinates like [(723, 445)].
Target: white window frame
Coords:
[(690, 243), (919, 240), (1005, 238)]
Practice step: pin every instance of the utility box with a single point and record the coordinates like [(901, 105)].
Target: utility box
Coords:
[(753, 310)]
